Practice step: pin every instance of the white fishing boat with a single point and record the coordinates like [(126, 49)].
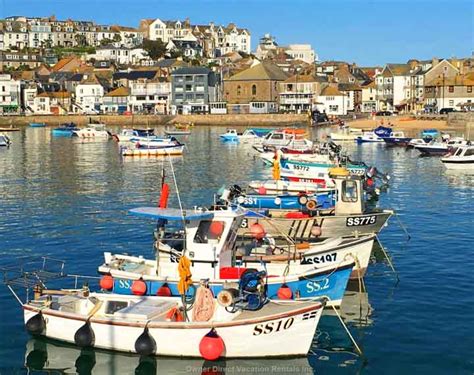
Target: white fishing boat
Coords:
[(269, 157), (155, 142), (92, 131), (289, 138), (129, 135), (164, 150), (440, 148), (4, 140), (368, 137), (346, 135), (463, 158), (291, 187), (152, 325)]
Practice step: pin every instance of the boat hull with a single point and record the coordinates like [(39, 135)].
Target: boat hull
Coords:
[(458, 164), (328, 281), (245, 337), (330, 226), (149, 152), (389, 141)]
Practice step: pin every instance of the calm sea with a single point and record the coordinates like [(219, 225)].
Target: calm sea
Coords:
[(68, 199)]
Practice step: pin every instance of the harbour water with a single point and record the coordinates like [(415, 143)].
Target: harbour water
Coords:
[(68, 199)]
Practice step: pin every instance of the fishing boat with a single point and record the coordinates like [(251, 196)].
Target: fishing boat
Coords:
[(155, 142), (290, 187), (37, 124), (397, 139), (346, 135), (4, 140), (164, 150), (230, 135), (440, 148), (289, 138), (129, 135), (349, 217), (156, 326), (418, 142), (92, 131), (462, 158), (184, 130), (369, 137), (65, 130)]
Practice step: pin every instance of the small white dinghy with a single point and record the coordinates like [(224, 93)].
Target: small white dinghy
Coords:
[(4, 140), (463, 158), (154, 325)]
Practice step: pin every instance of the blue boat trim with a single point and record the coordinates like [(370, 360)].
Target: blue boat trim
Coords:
[(171, 214)]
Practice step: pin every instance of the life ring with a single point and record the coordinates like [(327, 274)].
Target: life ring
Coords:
[(303, 199), (312, 204)]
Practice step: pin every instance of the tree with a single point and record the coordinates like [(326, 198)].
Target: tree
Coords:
[(117, 38), (106, 41), (155, 48), (80, 40)]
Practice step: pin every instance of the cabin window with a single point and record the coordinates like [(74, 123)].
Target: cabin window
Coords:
[(469, 152), (458, 152), (349, 191), (277, 136), (209, 230)]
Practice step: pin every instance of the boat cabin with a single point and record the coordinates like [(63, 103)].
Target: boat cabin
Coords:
[(199, 234), (349, 195)]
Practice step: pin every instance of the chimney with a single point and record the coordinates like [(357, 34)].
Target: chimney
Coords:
[(434, 61)]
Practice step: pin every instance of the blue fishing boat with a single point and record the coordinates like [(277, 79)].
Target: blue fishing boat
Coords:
[(65, 130), (286, 202), (397, 139), (429, 133), (208, 239), (37, 124)]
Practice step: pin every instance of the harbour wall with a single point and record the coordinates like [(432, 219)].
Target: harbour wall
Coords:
[(274, 119), (463, 120)]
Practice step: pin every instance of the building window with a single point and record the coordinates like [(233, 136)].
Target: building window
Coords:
[(451, 102), (450, 88), (238, 90), (469, 88), (254, 89)]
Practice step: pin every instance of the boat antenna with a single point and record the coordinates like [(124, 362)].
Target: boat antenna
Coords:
[(183, 214)]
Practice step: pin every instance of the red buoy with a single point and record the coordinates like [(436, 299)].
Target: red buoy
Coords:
[(211, 346), (106, 282), (285, 292), (262, 190), (257, 231), (370, 182), (139, 287), (216, 228), (164, 291), (165, 193)]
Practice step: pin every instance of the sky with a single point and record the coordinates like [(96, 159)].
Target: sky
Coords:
[(368, 33)]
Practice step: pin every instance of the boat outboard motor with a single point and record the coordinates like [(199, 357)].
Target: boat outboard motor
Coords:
[(36, 325), (145, 344), (85, 336)]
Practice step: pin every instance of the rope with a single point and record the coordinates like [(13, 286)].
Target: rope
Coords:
[(348, 332), (387, 257), (402, 226), (179, 202)]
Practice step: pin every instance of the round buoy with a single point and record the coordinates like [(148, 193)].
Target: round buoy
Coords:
[(145, 344), (107, 282), (303, 199), (316, 231), (164, 291), (211, 346), (85, 336), (262, 190), (370, 182), (277, 201), (139, 287), (36, 325), (257, 231), (285, 292), (216, 228)]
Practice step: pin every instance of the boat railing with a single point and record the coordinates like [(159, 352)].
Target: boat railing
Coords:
[(32, 272)]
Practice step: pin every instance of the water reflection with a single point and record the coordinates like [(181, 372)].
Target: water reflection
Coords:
[(43, 355)]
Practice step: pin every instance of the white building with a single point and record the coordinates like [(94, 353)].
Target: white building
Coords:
[(150, 96), (9, 94), (29, 95), (121, 55), (89, 94), (332, 102), (369, 97), (302, 52), (165, 30), (40, 35)]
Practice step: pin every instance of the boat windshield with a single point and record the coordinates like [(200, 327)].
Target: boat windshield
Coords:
[(458, 152)]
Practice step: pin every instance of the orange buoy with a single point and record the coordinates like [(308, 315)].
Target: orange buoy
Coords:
[(165, 193), (216, 228), (211, 346), (139, 287), (257, 231), (316, 231), (106, 282), (285, 292), (164, 291)]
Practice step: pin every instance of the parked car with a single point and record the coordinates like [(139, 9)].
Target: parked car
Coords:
[(445, 111), (383, 113)]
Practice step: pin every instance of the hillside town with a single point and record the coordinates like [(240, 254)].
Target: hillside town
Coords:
[(51, 66)]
